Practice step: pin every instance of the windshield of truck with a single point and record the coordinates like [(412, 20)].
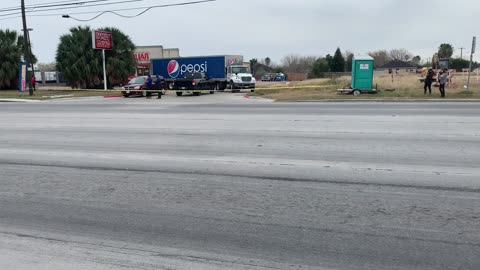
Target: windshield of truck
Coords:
[(236, 70), (138, 80)]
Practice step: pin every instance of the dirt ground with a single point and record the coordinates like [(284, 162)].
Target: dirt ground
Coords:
[(406, 86)]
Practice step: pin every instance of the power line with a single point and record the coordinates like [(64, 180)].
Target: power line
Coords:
[(145, 9), (53, 4), (73, 7)]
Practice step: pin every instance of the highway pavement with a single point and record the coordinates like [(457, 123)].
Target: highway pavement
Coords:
[(231, 182)]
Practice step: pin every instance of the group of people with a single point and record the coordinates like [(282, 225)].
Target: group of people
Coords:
[(442, 79), (158, 86)]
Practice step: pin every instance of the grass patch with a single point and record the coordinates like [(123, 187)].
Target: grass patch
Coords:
[(44, 94), (406, 87)]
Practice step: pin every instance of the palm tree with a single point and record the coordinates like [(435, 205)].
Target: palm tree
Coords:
[(253, 63), (21, 44), (82, 65), (10, 56), (445, 50)]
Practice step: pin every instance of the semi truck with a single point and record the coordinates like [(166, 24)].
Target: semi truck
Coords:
[(224, 71)]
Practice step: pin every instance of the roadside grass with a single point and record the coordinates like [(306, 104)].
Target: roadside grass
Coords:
[(406, 86), (44, 94)]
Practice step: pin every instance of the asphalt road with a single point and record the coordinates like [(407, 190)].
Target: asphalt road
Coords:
[(226, 182)]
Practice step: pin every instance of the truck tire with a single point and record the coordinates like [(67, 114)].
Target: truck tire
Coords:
[(221, 87), (126, 95), (179, 94), (232, 87), (212, 92)]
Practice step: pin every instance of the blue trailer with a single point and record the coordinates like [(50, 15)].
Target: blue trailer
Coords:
[(224, 71)]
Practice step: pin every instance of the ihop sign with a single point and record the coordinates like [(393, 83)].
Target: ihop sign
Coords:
[(142, 57)]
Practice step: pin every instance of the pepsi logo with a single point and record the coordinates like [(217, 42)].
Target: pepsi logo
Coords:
[(173, 69)]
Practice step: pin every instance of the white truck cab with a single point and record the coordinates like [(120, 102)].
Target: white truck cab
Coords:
[(240, 77)]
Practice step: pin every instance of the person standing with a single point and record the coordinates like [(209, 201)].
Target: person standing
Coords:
[(158, 84), (149, 86), (428, 82), (34, 83), (443, 81)]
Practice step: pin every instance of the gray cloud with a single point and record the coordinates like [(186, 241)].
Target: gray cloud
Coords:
[(261, 28)]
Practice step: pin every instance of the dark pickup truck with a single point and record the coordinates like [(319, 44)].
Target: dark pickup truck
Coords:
[(193, 82)]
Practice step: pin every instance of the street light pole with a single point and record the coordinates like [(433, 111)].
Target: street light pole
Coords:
[(26, 44)]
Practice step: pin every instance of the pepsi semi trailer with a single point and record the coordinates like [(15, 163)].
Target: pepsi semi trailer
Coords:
[(223, 71)]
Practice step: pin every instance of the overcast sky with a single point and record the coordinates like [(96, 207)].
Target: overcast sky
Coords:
[(275, 28)]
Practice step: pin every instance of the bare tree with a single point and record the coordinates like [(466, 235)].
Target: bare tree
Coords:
[(43, 67), (400, 54), (381, 57), (348, 55), (298, 63), (268, 61)]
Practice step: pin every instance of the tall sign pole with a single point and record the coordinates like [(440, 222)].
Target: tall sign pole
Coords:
[(104, 71), (102, 40), (26, 45), (474, 45)]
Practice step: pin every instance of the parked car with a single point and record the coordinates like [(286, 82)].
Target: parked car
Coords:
[(267, 77), (138, 86), (280, 77)]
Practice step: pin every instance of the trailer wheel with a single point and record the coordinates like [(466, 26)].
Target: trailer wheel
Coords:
[(357, 92), (179, 94)]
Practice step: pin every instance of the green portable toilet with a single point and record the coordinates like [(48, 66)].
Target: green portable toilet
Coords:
[(362, 73)]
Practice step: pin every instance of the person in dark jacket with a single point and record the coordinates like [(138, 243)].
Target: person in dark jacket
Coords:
[(158, 84), (428, 82), (443, 79), (149, 85)]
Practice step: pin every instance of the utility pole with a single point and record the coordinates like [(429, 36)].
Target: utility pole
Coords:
[(461, 52), (26, 44), (474, 46)]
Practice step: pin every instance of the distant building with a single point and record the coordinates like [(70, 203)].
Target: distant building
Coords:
[(397, 67), (144, 54)]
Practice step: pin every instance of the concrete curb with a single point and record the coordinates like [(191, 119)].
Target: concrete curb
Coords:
[(389, 100), (19, 100)]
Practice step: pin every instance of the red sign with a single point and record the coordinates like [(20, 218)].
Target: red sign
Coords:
[(142, 57), (102, 40)]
